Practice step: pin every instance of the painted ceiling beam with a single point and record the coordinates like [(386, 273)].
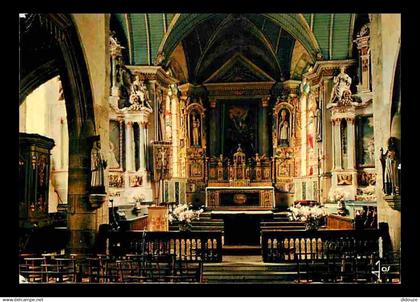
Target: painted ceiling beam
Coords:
[(295, 24), (129, 38)]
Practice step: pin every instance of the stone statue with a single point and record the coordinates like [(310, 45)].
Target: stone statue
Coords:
[(283, 129), (342, 83), (139, 96), (196, 131), (390, 161), (98, 165)]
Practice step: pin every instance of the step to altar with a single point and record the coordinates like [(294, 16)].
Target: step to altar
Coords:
[(241, 250), (249, 269)]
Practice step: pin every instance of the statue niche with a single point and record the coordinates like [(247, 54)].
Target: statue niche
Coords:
[(284, 124), (283, 128), (195, 119)]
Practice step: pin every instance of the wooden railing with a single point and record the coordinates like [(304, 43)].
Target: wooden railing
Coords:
[(301, 245), (190, 246)]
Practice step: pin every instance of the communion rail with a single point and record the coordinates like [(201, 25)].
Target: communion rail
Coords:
[(187, 246), (301, 245)]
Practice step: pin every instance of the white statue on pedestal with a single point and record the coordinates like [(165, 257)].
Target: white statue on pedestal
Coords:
[(342, 83), (139, 96)]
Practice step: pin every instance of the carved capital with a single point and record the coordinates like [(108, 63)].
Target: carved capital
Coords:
[(265, 101)]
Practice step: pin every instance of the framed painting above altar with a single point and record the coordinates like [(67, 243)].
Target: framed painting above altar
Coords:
[(239, 126)]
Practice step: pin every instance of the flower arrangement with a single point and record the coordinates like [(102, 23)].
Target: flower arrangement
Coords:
[(336, 196), (184, 216), (312, 216)]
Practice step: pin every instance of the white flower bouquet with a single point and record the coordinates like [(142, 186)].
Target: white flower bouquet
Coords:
[(184, 216), (313, 217), (336, 196)]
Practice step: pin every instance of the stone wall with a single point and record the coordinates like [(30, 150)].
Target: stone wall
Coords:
[(385, 47)]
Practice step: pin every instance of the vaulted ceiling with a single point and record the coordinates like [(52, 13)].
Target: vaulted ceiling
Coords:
[(210, 40)]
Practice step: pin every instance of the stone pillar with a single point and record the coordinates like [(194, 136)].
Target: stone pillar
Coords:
[(338, 164), (142, 144), (129, 151), (81, 219), (264, 131), (213, 129), (351, 144)]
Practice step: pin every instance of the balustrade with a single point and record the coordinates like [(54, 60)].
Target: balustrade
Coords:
[(190, 246)]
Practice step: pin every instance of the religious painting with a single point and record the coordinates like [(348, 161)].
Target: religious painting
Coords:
[(366, 142), (283, 128), (114, 157), (239, 127)]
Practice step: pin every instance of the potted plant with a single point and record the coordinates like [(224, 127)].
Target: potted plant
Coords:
[(184, 216)]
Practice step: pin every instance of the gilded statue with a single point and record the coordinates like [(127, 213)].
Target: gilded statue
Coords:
[(196, 131)]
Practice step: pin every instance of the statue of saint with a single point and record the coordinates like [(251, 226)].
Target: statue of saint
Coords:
[(196, 131), (342, 83), (98, 165), (390, 162), (283, 129)]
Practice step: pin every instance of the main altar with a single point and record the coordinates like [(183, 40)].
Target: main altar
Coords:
[(240, 183)]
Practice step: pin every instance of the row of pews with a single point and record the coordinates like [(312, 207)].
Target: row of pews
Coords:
[(129, 268)]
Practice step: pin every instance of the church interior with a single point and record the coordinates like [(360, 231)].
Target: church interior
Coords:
[(209, 148)]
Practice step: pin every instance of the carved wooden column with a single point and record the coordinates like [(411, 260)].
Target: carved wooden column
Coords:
[(303, 100), (213, 128), (264, 129), (129, 151), (175, 127)]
